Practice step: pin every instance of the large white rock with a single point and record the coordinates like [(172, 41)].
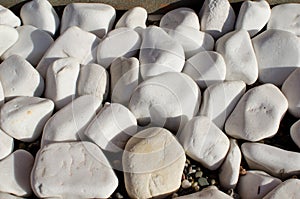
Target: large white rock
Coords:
[(258, 114), (20, 78), (287, 189), (203, 141), (239, 56), (220, 99), (97, 18), (69, 123), (31, 45), (121, 42), (72, 170), (41, 14), (84, 49), (6, 144), (8, 18), (169, 99), (273, 160), (295, 133), (253, 16), (8, 37), (9, 196), (159, 53), (206, 68), (277, 55), (15, 173), (289, 89), (211, 192), (134, 18), (23, 118), (124, 73), (217, 17), (153, 162)]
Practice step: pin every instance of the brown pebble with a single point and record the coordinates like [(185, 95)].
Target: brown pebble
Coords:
[(242, 171), (197, 188)]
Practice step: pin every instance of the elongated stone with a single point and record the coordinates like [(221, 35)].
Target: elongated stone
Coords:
[(7, 17), (287, 189)]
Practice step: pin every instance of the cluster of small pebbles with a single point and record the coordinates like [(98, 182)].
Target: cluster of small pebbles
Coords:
[(197, 104)]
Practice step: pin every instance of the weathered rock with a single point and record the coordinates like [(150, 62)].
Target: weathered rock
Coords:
[(134, 18), (8, 37), (210, 192), (8, 18), (6, 144), (295, 133), (287, 189), (9, 196)]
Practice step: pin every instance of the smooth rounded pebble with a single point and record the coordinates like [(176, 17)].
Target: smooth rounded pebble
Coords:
[(97, 18), (134, 18), (290, 90), (258, 114), (23, 118), (295, 133), (31, 44), (153, 162), (7, 17), (220, 99), (253, 16), (20, 78), (8, 37), (9, 196), (40, 14), (239, 56), (277, 53), (69, 123), (273, 160), (121, 42), (256, 184), (168, 100), (203, 141), (211, 192), (287, 189), (206, 68), (15, 173), (6, 144), (72, 170)]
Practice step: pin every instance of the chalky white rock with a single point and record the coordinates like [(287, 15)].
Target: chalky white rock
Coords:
[(6, 144), (8, 37), (287, 189), (258, 114), (295, 133), (72, 170), (7, 17), (134, 18), (9, 196), (211, 192)]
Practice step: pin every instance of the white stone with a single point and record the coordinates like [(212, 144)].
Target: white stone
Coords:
[(8, 18), (258, 114), (72, 170), (253, 16), (6, 145), (2, 97), (159, 53), (69, 123), (273, 160), (211, 192), (40, 14), (93, 80), (220, 99), (206, 68), (23, 118), (277, 54), (230, 169), (20, 78), (290, 21), (256, 184), (203, 141), (9, 196), (8, 37), (239, 56), (97, 18), (295, 133), (15, 173), (124, 74), (291, 91), (287, 189), (167, 100), (31, 45), (121, 42), (153, 163), (217, 17), (74, 42), (134, 18)]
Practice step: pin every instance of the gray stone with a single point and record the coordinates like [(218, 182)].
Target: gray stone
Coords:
[(287, 189)]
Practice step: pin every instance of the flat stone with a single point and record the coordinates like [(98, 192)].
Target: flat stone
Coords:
[(256, 184), (6, 144), (9, 196), (7, 17), (295, 133), (206, 68), (20, 78), (203, 141), (220, 99), (211, 192), (134, 18), (72, 170), (144, 175), (239, 56), (69, 123), (286, 47), (15, 169), (287, 189), (40, 14), (258, 114), (253, 16), (97, 18), (8, 37), (273, 160), (84, 49), (31, 45), (121, 42), (23, 118)]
